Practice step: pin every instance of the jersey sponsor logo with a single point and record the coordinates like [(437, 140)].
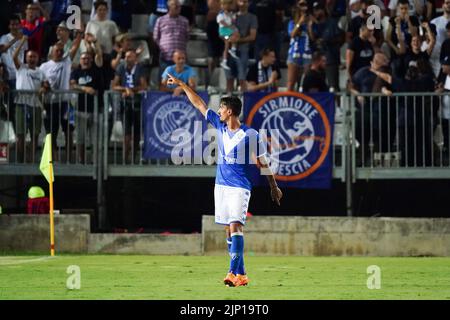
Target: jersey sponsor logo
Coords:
[(304, 133)]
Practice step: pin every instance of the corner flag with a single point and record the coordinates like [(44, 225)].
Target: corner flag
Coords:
[(46, 167), (46, 160)]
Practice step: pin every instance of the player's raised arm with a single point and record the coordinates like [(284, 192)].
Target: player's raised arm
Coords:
[(193, 97)]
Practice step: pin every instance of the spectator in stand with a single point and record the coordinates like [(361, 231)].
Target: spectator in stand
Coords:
[(444, 86), (123, 44), (94, 13), (419, 8), (63, 37), (264, 75), (33, 26), (171, 33), (445, 47), (57, 72), (8, 45), (360, 51), (160, 8), (441, 34), (102, 29), (418, 50), (181, 71), (329, 38), (300, 29), (247, 25), (408, 27), (215, 44), (87, 80), (92, 46), (315, 77), (58, 14), (130, 81), (360, 19), (228, 32), (269, 34), (365, 80), (28, 110)]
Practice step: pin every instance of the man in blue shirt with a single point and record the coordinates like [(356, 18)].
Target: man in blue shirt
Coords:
[(237, 145), (179, 70)]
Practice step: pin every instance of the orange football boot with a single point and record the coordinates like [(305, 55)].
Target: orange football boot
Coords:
[(241, 280), (230, 279)]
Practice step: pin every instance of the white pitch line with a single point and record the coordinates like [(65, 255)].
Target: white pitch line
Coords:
[(6, 261)]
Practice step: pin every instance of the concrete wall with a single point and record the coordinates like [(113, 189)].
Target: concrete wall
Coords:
[(21, 232), (336, 236), (175, 244), (270, 235), (30, 233)]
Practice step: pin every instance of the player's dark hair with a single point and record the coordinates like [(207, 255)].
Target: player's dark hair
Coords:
[(403, 2), (233, 103)]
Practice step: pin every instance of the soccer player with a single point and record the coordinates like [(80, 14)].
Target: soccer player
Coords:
[(233, 186)]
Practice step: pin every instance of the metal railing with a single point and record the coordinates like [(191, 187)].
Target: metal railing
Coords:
[(402, 136), (72, 118)]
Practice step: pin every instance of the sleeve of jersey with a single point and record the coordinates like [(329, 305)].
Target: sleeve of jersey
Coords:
[(213, 118)]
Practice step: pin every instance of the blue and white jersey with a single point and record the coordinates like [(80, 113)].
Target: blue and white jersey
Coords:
[(235, 152)]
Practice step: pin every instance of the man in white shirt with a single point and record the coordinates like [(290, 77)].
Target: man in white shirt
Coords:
[(8, 45), (57, 72), (440, 23), (28, 110)]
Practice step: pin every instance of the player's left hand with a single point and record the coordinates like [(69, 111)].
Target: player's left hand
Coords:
[(276, 195)]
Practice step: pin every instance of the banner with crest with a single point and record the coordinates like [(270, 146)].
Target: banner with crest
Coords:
[(172, 122), (301, 154)]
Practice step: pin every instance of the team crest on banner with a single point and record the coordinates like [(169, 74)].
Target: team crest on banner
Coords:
[(164, 116), (303, 125)]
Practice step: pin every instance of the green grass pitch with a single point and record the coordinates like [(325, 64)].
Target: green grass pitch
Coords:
[(200, 277)]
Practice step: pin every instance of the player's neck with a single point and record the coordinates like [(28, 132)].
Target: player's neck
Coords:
[(233, 124)]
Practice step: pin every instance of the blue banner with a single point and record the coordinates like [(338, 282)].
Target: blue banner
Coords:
[(172, 122), (299, 136)]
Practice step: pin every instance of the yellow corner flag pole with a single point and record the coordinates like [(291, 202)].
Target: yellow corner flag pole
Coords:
[(46, 167)]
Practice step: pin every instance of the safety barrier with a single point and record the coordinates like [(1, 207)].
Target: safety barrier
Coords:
[(72, 118)]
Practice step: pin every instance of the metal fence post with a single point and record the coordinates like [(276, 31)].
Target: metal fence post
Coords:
[(349, 160)]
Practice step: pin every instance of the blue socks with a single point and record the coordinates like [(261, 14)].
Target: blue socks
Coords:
[(237, 253)]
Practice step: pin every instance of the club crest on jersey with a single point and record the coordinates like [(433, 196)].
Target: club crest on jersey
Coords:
[(303, 133)]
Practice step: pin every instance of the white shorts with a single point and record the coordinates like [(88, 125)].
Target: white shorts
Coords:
[(231, 204)]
